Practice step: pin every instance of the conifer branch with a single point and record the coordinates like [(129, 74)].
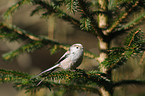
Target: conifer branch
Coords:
[(72, 5), (133, 36), (6, 29), (38, 41), (13, 76), (128, 26), (134, 39), (115, 59), (59, 13), (79, 76), (22, 80), (67, 75), (50, 9), (30, 47), (133, 23), (85, 10), (14, 7), (123, 16), (14, 73), (118, 56), (74, 87), (31, 86)]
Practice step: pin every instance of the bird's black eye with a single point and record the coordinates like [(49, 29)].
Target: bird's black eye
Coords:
[(77, 47)]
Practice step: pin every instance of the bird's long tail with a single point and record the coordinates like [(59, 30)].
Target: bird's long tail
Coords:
[(47, 70)]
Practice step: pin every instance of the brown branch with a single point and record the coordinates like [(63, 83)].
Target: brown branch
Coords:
[(37, 38), (133, 37), (15, 29), (121, 18)]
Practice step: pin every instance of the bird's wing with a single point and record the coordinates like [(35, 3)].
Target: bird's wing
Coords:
[(63, 57)]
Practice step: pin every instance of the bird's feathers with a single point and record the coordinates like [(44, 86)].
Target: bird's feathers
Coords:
[(63, 57)]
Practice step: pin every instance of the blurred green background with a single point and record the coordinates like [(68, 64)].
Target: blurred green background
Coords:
[(61, 31)]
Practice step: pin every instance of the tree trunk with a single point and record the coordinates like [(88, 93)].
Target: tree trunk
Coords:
[(51, 25), (103, 54), (103, 18), (104, 44)]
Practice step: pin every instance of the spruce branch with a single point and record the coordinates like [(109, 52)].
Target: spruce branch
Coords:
[(14, 73), (14, 7), (114, 59), (86, 12), (13, 76), (31, 86), (51, 9), (74, 87), (47, 9), (79, 77), (59, 13), (133, 23), (126, 27), (132, 38), (85, 24), (122, 17), (72, 5), (10, 30), (22, 80), (30, 47), (118, 56)]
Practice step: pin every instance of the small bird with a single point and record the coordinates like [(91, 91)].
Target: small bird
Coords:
[(69, 61)]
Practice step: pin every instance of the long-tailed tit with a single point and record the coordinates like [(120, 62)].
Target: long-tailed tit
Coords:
[(69, 61)]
